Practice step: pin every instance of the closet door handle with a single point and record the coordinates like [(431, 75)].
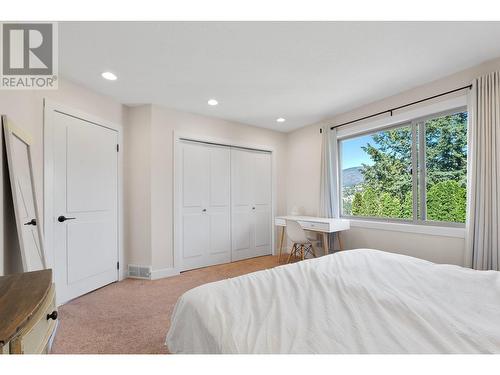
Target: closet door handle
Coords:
[(204, 210), (253, 208), (62, 219), (31, 222)]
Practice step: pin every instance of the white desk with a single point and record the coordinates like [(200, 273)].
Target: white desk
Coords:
[(317, 224)]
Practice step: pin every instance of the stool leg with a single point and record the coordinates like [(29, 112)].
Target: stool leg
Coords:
[(340, 241), (281, 243), (325, 243), (313, 250), (291, 252)]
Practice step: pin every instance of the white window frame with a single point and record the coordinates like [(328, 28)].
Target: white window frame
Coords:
[(415, 119)]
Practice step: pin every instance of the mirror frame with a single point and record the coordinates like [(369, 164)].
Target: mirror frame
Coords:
[(11, 131)]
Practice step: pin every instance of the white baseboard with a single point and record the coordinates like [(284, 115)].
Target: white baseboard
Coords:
[(164, 272)]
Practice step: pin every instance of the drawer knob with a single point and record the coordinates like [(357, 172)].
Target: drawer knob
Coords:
[(52, 315)]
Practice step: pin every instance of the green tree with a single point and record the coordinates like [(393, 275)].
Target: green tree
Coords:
[(346, 207), (357, 204), (407, 206), (446, 201), (391, 156), (389, 206), (371, 204), (446, 149)]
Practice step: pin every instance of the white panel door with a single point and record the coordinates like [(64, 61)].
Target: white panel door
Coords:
[(262, 203), (85, 206), (251, 203), (219, 205), (205, 205)]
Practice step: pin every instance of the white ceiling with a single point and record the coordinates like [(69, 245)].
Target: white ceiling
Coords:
[(259, 71)]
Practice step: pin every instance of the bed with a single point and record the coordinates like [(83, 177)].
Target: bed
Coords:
[(357, 301)]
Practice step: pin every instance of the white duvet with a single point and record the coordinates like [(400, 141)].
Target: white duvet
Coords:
[(357, 301)]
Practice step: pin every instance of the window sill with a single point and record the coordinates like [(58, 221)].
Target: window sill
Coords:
[(431, 230)]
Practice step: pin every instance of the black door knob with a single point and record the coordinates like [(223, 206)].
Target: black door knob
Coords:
[(64, 218), (31, 222), (52, 315)]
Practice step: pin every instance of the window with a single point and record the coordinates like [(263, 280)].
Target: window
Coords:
[(415, 171)]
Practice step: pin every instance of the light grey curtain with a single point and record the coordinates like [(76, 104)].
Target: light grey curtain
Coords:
[(483, 190), (328, 196)]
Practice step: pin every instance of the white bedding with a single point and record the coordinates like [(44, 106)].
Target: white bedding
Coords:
[(357, 301)]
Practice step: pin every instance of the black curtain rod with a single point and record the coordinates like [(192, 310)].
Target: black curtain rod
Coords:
[(401, 106)]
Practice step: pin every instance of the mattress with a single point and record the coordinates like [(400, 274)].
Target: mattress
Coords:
[(356, 301)]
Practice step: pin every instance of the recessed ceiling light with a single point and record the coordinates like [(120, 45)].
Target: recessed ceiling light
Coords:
[(212, 102), (280, 119), (109, 76)]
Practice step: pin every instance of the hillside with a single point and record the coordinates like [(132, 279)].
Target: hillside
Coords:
[(352, 176)]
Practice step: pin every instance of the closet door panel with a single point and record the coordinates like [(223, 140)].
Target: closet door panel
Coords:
[(195, 188), (242, 179), (242, 185), (219, 208), (206, 184), (262, 231), (241, 233), (220, 234), (195, 175), (262, 203), (251, 205), (220, 177), (195, 240), (262, 178)]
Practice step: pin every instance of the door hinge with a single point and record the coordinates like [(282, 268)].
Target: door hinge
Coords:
[(117, 265), (117, 147)]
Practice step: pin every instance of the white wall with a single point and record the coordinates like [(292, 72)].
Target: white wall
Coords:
[(25, 110), (303, 174), (439, 249), (159, 187), (137, 184)]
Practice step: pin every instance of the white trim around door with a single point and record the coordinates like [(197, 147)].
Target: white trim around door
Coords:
[(51, 108), (178, 137)]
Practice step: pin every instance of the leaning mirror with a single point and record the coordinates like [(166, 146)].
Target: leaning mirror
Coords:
[(19, 159)]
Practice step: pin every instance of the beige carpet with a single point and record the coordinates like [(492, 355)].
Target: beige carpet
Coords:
[(133, 316)]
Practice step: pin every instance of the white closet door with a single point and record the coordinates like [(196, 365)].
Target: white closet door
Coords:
[(206, 226), (242, 185), (219, 205), (251, 203), (262, 203)]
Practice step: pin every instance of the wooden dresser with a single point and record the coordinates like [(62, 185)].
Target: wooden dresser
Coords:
[(28, 312)]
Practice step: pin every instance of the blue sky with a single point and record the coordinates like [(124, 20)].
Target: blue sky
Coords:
[(352, 153)]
